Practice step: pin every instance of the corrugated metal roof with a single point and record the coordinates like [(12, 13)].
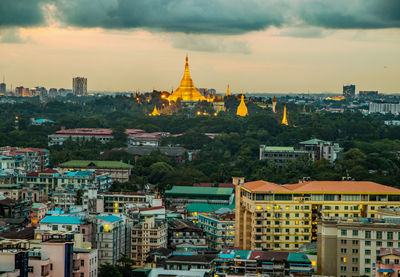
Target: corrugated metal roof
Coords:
[(86, 163), (199, 190)]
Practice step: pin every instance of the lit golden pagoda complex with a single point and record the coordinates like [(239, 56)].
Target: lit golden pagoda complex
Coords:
[(186, 90), (242, 109)]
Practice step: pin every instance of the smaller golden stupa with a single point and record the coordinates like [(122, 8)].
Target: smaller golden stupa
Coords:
[(242, 109), (155, 112), (228, 91), (284, 119)]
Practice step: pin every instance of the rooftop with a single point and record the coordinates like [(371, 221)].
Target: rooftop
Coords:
[(187, 190), (312, 141), (207, 208), (110, 218), (322, 186), (86, 163), (54, 219), (279, 148)]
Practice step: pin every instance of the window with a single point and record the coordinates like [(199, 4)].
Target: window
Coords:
[(355, 242), (354, 260), (355, 232), (343, 250), (82, 274), (355, 251), (378, 243), (343, 241), (379, 234), (367, 270), (354, 269), (367, 243), (82, 262), (55, 227), (343, 232), (336, 207), (367, 234), (367, 261), (343, 268), (390, 235), (396, 261), (389, 244), (387, 261)]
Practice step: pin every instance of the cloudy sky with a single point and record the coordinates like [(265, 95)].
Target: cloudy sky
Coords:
[(254, 45)]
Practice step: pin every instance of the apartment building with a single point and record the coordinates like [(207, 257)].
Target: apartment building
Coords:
[(110, 238), (219, 227), (283, 217), (118, 171), (184, 234), (350, 247), (322, 149), (116, 202), (147, 234), (281, 155)]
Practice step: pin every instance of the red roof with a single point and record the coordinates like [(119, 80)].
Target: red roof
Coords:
[(204, 185), (85, 132), (322, 186), (226, 185), (263, 186)]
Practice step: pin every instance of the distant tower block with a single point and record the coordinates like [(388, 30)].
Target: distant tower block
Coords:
[(242, 109), (274, 104), (228, 91), (79, 86), (284, 119)]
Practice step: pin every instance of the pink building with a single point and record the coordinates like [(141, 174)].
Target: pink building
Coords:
[(388, 263), (38, 212), (85, 263)]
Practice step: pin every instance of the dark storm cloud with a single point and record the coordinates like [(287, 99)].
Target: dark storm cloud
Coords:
[(206, 16), (21, 13)]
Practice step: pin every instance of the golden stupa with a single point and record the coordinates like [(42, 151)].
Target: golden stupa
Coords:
[(228, 92), (274, 104), (186, 90), (284, 119), (242, 109), (155, 112)]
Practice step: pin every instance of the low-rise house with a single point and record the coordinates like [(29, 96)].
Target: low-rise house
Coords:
[(38, 212), (183, 234)]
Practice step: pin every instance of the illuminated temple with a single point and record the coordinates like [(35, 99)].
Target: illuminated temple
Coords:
[(186, 90), (242, 109)]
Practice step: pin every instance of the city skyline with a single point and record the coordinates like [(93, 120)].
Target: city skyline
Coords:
[(255, 47)]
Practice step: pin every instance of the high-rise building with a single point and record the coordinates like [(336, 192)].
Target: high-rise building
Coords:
[(3, 88), (349, 247), (349, 91), (79, 86), (283, 217)]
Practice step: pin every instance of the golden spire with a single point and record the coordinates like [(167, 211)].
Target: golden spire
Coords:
[(274, 104), (284, 119), (186, 90), (304, 108), (155, 111), (242, 109), (228, 91)]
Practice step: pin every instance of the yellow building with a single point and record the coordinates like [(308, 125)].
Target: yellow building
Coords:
[(186, 90), (242, 109), (283, 217)]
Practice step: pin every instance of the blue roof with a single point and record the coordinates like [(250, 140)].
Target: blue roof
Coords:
[(53, 219), (43, 120), (79, 173), (110, 218)]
